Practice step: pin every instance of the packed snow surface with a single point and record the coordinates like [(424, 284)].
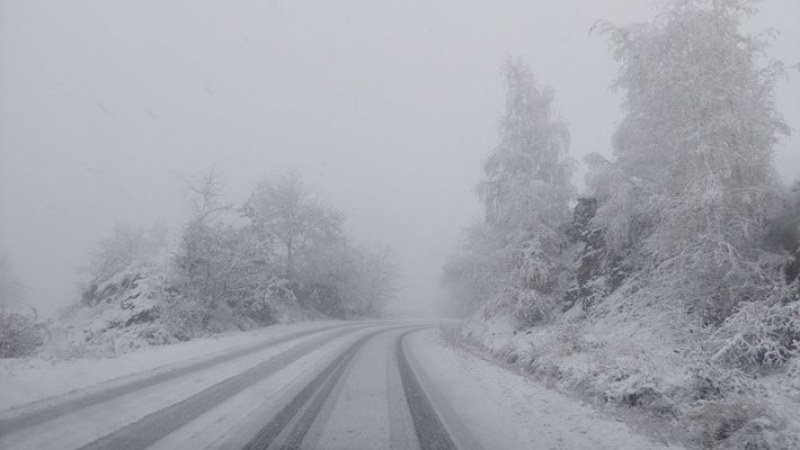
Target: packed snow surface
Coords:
[(27, 380), (497, 408)]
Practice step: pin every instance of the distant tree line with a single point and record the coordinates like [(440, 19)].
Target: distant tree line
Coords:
[(280, 252)]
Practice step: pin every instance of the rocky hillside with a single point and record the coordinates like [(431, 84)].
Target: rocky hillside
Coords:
[(624, 344)]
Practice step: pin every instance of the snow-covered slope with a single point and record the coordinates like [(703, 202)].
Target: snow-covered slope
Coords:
[(644, 359), (137, 307)]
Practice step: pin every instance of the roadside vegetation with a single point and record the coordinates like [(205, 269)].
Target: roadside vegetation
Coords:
[(279, 256), (20, 328), (670, 287)]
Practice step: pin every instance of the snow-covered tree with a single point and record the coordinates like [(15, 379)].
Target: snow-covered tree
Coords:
[(527, 184), (126, 246), (122, 258), (693, 182), (526, 197), (214, 280), (206, 205), (286, 214), (281, 255), (310, 251)]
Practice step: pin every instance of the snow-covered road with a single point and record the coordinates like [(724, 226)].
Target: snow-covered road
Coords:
[(341, 386)]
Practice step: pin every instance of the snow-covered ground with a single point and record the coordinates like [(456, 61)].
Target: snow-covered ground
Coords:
[(27, 380), (481, 404), (646, 361), (86, 425), (497, 408)]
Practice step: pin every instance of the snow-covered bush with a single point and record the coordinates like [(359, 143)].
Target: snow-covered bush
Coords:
[(758, 336), (122, 254), (184, 320), (20, 333), (529, 307), (707, 247), (738, 423)]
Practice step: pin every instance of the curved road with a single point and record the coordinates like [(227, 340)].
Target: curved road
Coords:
[(385, 385), (348, 386)]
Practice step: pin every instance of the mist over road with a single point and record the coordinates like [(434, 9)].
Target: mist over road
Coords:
[(348, 386)]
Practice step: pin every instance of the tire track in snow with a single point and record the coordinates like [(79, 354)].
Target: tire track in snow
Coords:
[(290, 426), (155, 426), (49, 412), (431, 433)]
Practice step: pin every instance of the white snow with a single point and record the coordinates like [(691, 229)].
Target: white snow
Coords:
[(235, 421), (86, 425), (524, 414), (629, 342), (482, 404), (28, 380)]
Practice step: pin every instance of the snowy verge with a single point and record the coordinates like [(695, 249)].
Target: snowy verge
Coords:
[(646, 363), (27, 380), (525, 414)]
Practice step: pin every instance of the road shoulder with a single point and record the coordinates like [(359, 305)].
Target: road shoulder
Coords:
[(504, 409)]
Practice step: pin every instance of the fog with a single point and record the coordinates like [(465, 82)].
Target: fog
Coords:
[(387, 109)]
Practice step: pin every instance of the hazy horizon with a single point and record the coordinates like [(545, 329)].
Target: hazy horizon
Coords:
[(387, 110)]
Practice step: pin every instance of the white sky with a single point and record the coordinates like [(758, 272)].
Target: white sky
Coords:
[(387, 108)]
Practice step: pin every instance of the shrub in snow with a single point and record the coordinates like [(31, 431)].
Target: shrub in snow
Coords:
[(184, 320), (738, 423), (707, 248), (528, 306), (116, 261), (256, 310), (758, 336), (20, 333)]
